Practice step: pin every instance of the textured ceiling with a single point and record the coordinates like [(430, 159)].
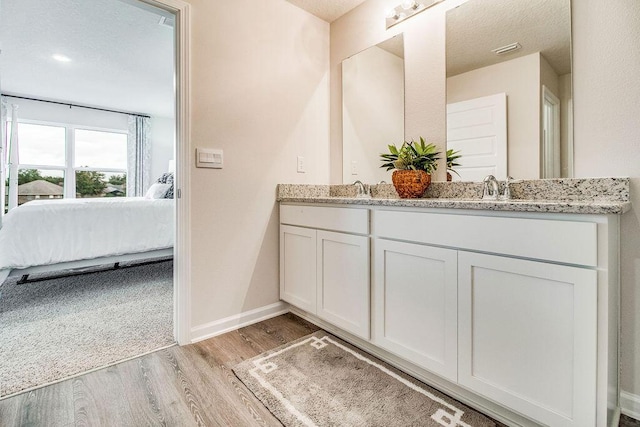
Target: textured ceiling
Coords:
[(328, 10), (478, 26), (121, 58)]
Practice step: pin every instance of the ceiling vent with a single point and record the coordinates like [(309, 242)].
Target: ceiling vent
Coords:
[(507, 49)]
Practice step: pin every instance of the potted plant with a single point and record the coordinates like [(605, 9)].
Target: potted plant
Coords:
[(413, 163), (452, 161)]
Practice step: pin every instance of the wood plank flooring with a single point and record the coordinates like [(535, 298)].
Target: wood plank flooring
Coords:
[(179, 386)]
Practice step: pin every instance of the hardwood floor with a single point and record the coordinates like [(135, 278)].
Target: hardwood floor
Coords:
[(179, 386)]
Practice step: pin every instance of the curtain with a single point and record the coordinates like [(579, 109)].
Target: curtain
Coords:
[(3, 156), (12, 165), (138, 156)]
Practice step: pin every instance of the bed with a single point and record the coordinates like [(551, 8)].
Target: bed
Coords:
[(52, 235)]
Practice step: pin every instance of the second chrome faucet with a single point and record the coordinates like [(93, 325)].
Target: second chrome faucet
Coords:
[(491, 188)]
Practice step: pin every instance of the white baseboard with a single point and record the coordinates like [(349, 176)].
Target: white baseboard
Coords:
[(630, 404), (237, 321)]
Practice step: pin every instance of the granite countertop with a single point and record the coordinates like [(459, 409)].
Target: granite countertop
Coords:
[(577, 196)]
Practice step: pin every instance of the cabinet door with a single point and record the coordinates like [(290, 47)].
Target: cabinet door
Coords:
[(343, 281), (415, 304), (527, 336), (298, 267)]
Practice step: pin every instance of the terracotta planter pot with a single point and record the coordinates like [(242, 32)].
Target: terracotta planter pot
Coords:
[(410, 184)]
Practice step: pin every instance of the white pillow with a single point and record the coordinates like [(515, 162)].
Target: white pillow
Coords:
[(157, 191)]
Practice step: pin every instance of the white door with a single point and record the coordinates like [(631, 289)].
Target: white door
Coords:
[(478, 129), (527, 336), (415, 304), (551, 166), (343, 281), (298, 267)]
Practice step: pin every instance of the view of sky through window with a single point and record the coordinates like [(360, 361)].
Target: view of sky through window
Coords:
[(97, 149), (41, 145)]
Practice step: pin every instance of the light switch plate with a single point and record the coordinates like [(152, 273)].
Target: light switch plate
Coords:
[(301, 166), (209, 158)]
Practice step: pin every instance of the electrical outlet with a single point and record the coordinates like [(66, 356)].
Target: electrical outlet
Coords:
[(354, 167), (301, 165)]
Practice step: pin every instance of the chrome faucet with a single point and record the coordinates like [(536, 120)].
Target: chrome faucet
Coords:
[(361, 189), (507, 187), (491, 189)]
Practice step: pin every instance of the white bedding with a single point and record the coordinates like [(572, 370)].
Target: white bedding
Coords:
[(44, 232)]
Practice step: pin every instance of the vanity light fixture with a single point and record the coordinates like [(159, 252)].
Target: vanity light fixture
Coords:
[(506, 49), (407, 9)]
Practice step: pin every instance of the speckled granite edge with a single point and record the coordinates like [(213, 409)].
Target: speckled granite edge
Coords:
[(584, 195), (285, 191), (581, 189), (511, 206)]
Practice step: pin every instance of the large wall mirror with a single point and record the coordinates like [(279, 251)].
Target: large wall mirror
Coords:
[(372, 109), (509, 91)]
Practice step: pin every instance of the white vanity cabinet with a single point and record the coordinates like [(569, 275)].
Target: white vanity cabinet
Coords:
[(415, 304), (298, 267), (326, 273), (536, 305), (507, 310), (527, 335)]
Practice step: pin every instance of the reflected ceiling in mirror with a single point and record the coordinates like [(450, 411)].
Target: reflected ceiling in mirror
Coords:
[(372, 109), (532, 77)]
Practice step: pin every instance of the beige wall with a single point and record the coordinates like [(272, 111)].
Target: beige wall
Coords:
[(549, 77), (606, 107), (260, 92), (607, 136), (373, 112), (520, 80)]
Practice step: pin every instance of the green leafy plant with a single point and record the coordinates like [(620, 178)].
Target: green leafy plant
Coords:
[(411, 155), (452, 160)]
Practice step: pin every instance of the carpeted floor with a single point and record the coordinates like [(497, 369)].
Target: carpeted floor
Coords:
[(54, 329)]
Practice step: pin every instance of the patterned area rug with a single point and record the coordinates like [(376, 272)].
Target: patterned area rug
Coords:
[(320, 380), (53, 329)]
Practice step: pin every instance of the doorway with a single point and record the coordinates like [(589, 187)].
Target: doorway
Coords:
[(179, 11)]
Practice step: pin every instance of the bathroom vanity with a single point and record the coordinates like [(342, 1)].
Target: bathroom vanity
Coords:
[(510, 306)]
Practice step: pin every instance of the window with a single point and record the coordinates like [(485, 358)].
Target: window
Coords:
[(100, 163), (58, 160), (41, 145), (34, 184)]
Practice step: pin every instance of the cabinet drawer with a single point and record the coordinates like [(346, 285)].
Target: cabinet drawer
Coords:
[(568, 242), (348, 220)]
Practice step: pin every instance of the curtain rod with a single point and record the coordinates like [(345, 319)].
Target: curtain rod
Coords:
[(70, 105)]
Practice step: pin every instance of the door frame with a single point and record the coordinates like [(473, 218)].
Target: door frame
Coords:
[(551, 161), (182, 245)]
